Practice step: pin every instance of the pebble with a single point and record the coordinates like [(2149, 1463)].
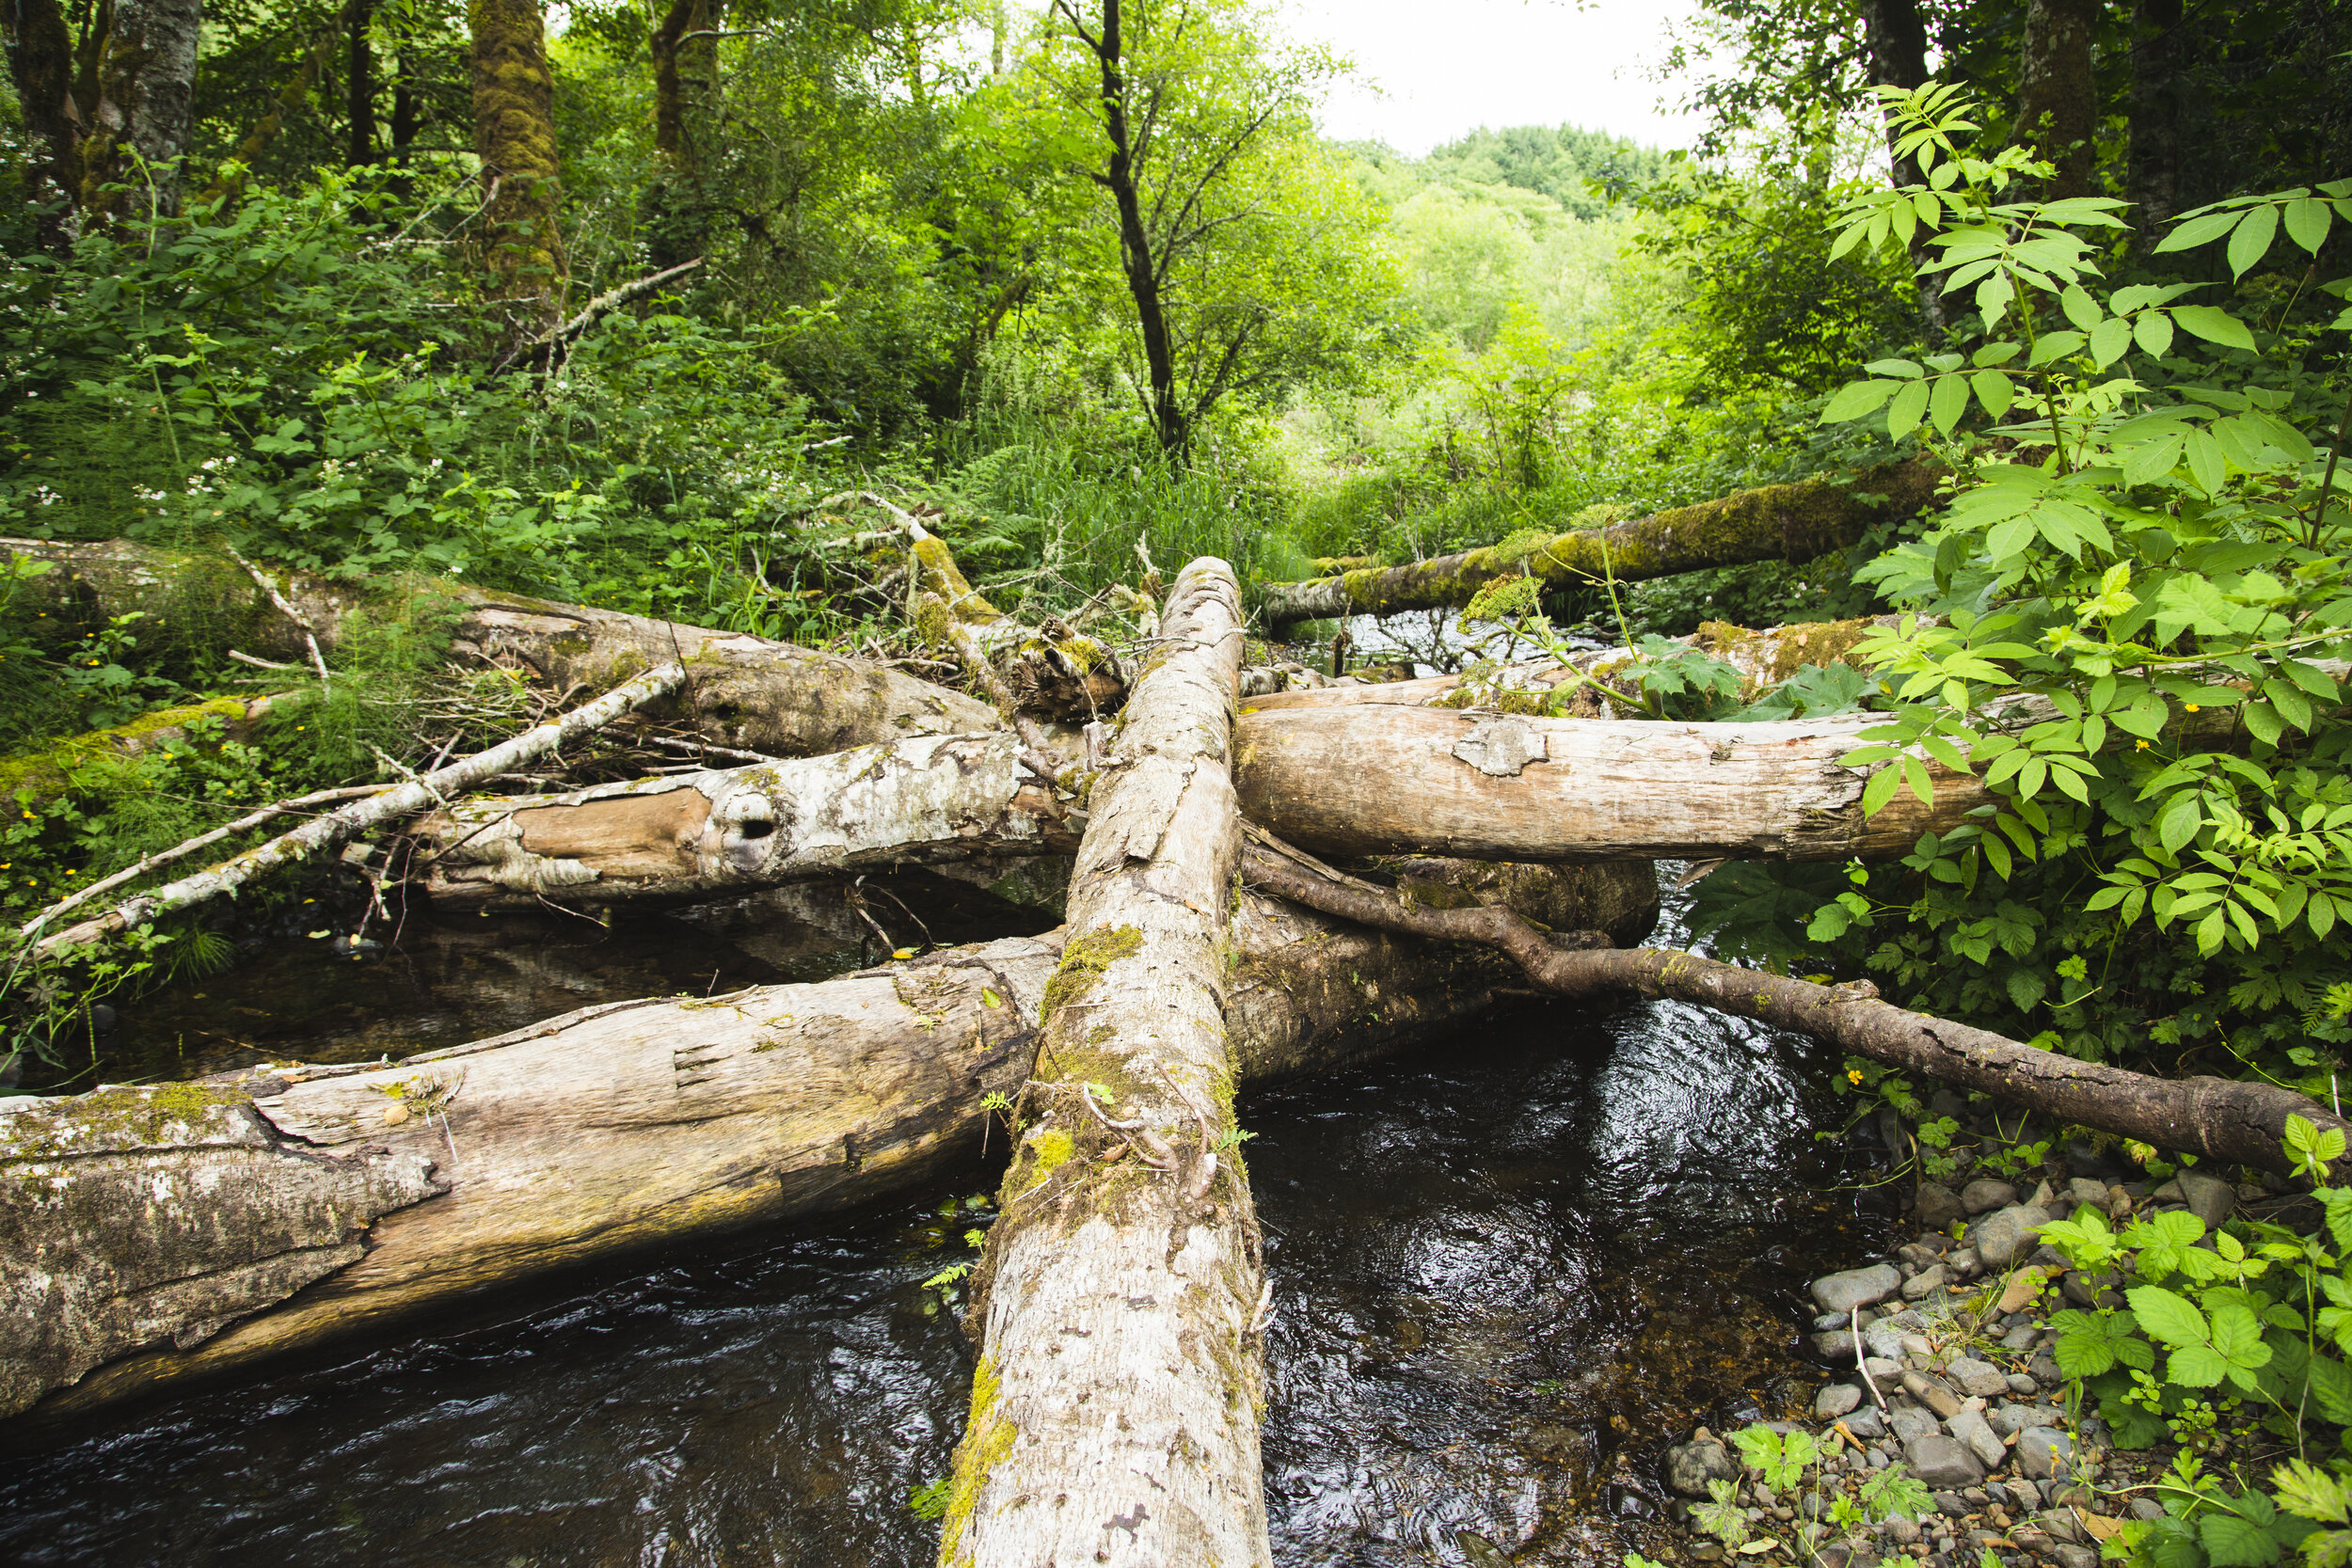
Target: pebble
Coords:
[(2084, 1190), (1843, 1292), (2209, 1198), (1930, 1393), (1945, 1462), (1924, 1284), (2019, 1384), (1969, 1426), (2002, 1234), (2021, 1337), (2011, 1420), (1908, 1422), (1829, 1322), (1939, 1207), (1691, 1465), (2076, 1556), (1836, 1400), (1867, 1424), (1977, 1379)]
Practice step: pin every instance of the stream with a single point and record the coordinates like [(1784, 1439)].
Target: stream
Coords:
[(1507, 1267)]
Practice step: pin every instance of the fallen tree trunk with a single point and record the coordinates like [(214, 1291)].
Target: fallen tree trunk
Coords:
[(1119, 1299), (152, 1235), (57, 768), (744, 691), (1367, 779), (683, 836), (1777, 522), (2213, 1118)]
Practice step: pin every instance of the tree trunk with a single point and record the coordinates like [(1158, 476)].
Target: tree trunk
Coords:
[(1121, 1296), (2214, 1119), (685, 80), (1896, 41), (688, 836), (1371, 778), (152, 1235), (57, 768), (146, 101), (514, 111), (1778, 522), (40, 60), (2159, 56), (358, 84), (742, 692), (2058, 97)]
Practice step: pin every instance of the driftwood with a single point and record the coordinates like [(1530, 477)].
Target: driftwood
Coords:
[(1777, 522), (682, 836), (1369, 779), (1120, 1297), (2213, 1118), (339, 827), (155, 1234)]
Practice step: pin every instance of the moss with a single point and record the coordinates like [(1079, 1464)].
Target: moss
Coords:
[(1049, 1151), (988, 1437), (113, 1116), (1084, 961), (932, 621), (53, 770)]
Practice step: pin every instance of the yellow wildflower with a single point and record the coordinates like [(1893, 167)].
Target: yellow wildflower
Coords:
[(2192, 707), (2139, 745), (1853, 1076)]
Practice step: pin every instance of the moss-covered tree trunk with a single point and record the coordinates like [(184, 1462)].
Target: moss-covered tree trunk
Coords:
[(514, 131), (139, 129), (1777, 522), (1115, 1409)]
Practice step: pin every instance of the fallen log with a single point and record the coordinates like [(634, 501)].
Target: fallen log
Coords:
[(2226, 1119), (684, 837), (1777, 522), (1367, 779), (742, 692), (339, 826), (59, 768), (1120, 1297), (154, 1235)]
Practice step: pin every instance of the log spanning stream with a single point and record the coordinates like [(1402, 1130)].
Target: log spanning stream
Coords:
[(1506, 1266)]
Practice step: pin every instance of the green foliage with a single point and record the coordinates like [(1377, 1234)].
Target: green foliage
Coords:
[(1781, 1458)]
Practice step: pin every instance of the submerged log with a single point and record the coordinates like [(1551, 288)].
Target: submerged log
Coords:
[(1366, 778), (152, 1235), (2213, 1118), (1777, 522), (1119, 1299)]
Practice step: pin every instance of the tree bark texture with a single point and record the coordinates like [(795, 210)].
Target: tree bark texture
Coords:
[(150, 1235), (676, 208), (688, 836), (146, 103), (2058, 97), (514, 111), (744, 691), (1376, 780), (40, 60), (2215, 1118), (2159, 58), (1120, 1298), (359, 83), (1896, 38), (1778, 522)]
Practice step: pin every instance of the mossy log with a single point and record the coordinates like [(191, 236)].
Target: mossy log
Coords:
[(59, 768), (742, 692), (1777, 522), (1120, 1301), (1367, 779), (1049, 668), (154, 1235), (684, 837)]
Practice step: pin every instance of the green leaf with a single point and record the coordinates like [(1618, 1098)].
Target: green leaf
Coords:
[(1947, 402), (2230, 1541), (2152, 460), (1995, 390), (2154, 332), (2056, 345), (1903, 412), (1857, 397), (2262, 722), (2199, 231), (2109, 339), (2166, 1317), (2182, 819), (2079, 307), (2206, 465), (2214, 324), (2307, 220), (2251, 242), (2288, 700)]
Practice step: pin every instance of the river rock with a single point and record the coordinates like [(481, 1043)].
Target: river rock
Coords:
[(1836, 1401), (1867, 1424), (2071, 1556), (2002, 1234), (1943, 1462), (1978, 1379), (1939, 1207), (1986, 1194), (1901, 1531), (1930, 1393), (1924, 1284), (2021, 1387), (1836, 1348), (2209, 1198), (2084, 1190), (2044, 1451), (1909, 1423), (1968, 1425), (1843, 1292), (2011, 1420), (1691, 1465), (1883, 1371), (1829, 1322)]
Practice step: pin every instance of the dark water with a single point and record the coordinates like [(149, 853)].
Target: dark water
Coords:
[(1504, 1268)]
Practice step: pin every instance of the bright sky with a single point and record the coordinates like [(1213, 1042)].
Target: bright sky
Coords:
[(1426, 73)]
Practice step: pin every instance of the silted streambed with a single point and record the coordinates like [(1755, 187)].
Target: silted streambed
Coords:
[(1506, 1269)]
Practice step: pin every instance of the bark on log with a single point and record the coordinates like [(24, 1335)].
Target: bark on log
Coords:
[(1120, 1296), (744, 691), (2215, 1118), (684, 837), (1777, 522), (1374, 779), (154, 1235)]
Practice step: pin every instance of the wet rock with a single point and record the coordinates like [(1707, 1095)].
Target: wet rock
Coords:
[(1835, 1348), (1930, 1393), (2002, 1234), (1924, 1284), (2011, 1420), (1829, 1322), (1939, 1207), (1867, 1424), (1843, 1292), (1909, 1421), (2044, 1451), (2085, 1157), (1968, 1425), (1984, 1193), (2209, 1198), (1977, 1379), (1691, 1465), (1836, 1400)]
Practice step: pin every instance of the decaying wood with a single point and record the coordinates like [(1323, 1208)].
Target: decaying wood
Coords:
[(57, 768), (1777, 522), (278, 602), (2213, 1118), (744, 691), (682, 836), (150, 1235), (339, 827), (1368, 778), (1121, 1298)]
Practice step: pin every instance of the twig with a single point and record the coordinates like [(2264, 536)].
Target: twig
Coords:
[(258, 663), (309, 637), (705, 748), (1861, 1364)]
